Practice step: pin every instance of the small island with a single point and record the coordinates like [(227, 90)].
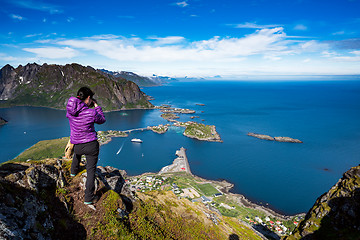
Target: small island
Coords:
[(169, 109), (278, 139), (202, 132), (158, 129), (169, 116), (104, 137), (194, 130)]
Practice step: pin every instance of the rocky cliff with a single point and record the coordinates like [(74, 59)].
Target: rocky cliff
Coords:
[(335, 214), (51, 86)]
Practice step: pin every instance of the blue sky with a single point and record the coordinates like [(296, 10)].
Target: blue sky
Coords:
[(195, 38)]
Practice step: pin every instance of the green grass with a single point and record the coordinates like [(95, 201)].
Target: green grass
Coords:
[(44, 149), (199, 130), (207, 189)]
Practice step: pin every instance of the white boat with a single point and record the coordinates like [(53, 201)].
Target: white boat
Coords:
[(137, 140)]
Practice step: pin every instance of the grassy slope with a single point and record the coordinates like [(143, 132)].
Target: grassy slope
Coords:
[(44, 149)]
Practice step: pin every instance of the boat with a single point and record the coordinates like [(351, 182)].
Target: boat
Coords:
[(137, 140)]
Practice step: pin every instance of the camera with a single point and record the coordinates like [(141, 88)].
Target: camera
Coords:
[(92, 102)]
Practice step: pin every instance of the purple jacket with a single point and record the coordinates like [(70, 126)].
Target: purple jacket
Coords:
[(82, 119)]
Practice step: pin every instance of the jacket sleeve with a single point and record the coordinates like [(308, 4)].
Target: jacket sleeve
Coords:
[(99, 117)]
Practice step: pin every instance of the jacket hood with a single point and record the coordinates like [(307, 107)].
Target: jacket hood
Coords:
[(75, 106)]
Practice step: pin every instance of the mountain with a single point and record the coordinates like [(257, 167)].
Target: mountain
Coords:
[(335, 214), (52, 85), (140, 80)]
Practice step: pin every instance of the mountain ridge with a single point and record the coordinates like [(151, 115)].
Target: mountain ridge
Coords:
[(141, 81)]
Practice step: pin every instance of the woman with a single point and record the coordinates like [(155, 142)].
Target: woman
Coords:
[(84, 136)]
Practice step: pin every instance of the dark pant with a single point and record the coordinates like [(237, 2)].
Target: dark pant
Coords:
[(91, 152)]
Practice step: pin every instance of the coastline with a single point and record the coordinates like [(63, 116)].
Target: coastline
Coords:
[(246, 202), (241, 198)]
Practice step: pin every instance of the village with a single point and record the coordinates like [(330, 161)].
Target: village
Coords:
[(199, 192)]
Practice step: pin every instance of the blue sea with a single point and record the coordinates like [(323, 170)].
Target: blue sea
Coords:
[(287, 177)]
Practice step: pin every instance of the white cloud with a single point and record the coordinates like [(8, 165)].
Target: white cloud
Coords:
[(33, 35), (7, 58), (314, 46), (253, 25), (182, 4), (355, 52), (350, 58), (339, 33), (168, 40), (175, 48), (37, 5), (300, 27), (53, 52), (256, 53), (329, 53), (17, 17)]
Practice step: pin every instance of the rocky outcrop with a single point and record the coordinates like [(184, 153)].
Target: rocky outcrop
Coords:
[(261, 136), (52, 85), (335, 214), (278, 139), (37, 199), (2, 121), (287, 139)]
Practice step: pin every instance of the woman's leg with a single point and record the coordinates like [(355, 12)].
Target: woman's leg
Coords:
[(76, 161), (91, 152)]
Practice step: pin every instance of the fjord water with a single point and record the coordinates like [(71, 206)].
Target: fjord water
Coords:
[(287, 176)]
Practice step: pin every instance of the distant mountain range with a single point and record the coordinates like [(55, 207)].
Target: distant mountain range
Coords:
[(141, 80), (51, 86)]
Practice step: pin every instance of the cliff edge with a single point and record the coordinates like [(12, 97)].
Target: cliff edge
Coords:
[(335, 214)]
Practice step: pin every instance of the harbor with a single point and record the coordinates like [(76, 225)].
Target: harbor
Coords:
[(180, 164)]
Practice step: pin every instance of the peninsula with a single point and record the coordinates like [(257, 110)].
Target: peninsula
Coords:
[(180, 163)]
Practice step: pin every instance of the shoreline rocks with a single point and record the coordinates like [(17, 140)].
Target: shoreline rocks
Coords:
[(3, 121)]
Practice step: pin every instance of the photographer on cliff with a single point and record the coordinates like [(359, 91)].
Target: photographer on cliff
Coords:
[(84, 137)]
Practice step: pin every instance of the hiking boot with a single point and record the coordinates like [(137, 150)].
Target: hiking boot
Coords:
[(93, 201)]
